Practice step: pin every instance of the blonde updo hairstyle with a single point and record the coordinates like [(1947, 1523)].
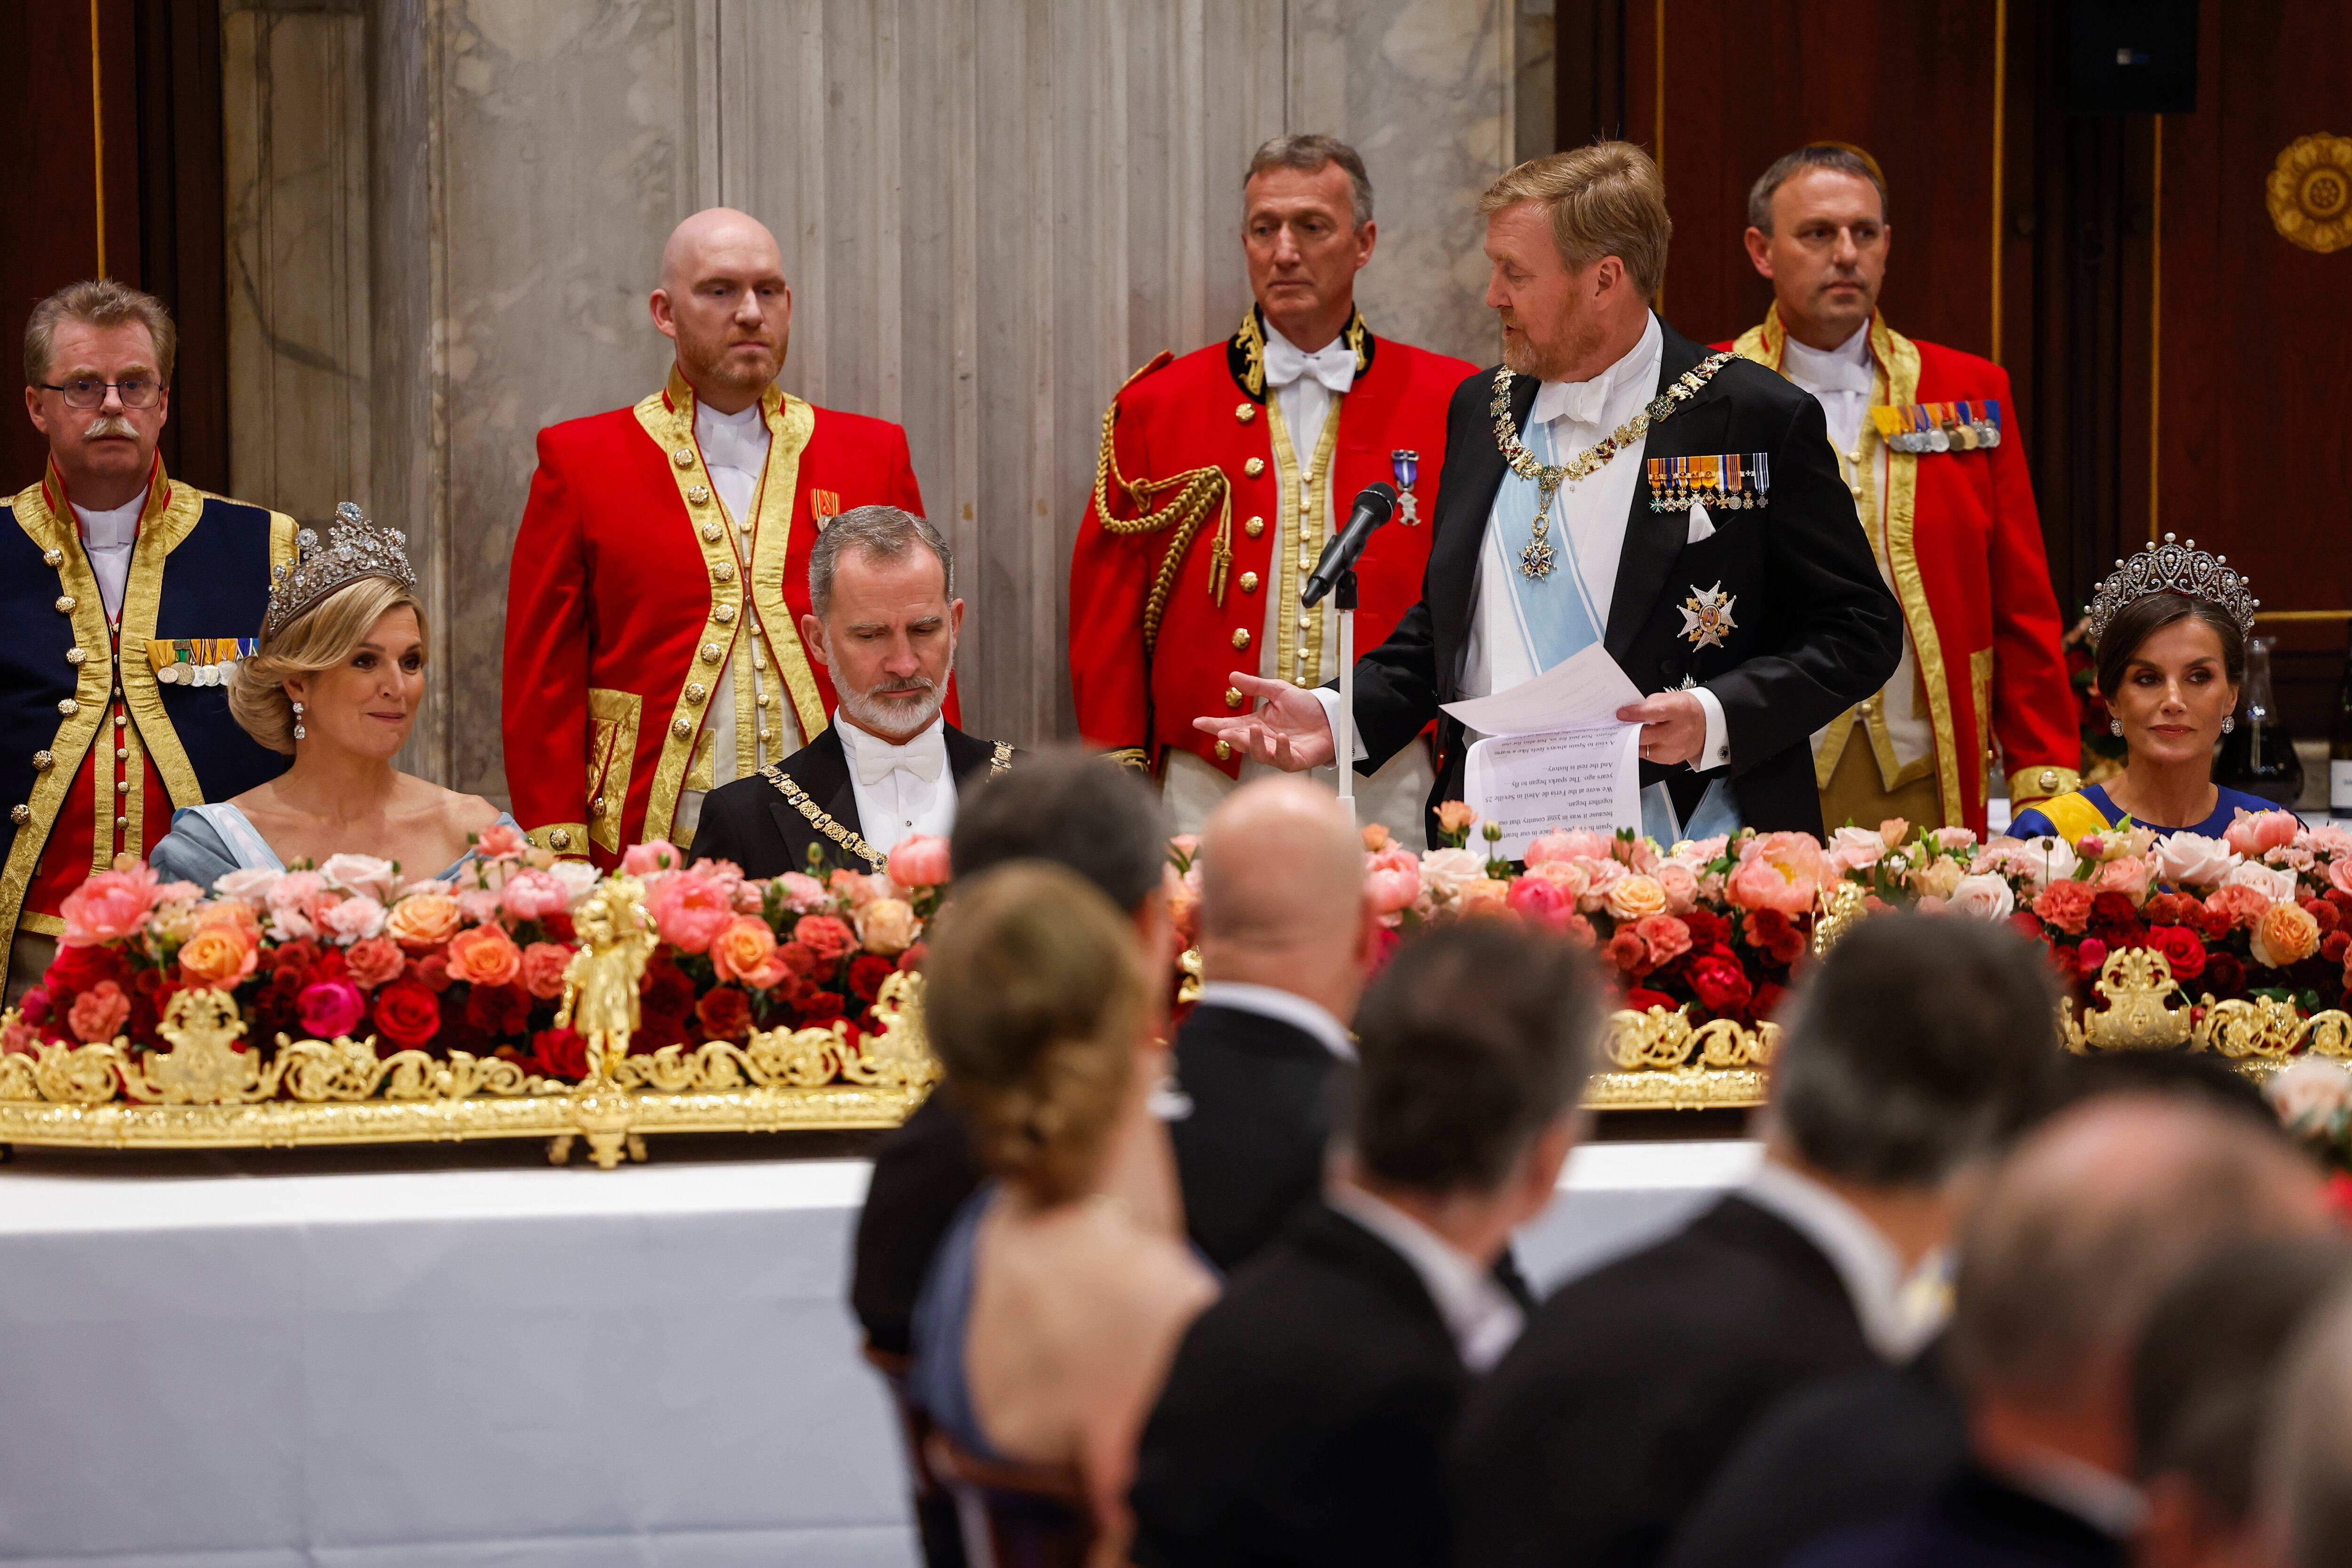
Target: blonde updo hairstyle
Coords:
[(1035, 994), (321, 638)]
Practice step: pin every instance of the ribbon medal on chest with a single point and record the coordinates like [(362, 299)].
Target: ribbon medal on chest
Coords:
[(1406, 466), (1707, 616), (1921, 428)]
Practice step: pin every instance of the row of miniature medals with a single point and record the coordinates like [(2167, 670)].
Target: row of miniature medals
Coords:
[(1940, 426)]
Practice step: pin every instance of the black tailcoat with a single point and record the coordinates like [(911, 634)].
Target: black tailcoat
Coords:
[(1816, 630), (1593, 1438), (1249, 1152), (751, 822)]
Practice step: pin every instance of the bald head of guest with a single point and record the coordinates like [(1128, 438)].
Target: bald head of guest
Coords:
[(1282, 894), (2076, 1241), (724, 302)]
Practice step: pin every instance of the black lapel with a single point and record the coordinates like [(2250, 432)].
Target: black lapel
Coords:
[(1473, 471), (822, 770), (1653, 539), (968, 756), (1345, 1245)]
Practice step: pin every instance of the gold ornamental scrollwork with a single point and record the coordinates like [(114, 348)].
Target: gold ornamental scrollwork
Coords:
[(2309, 192)]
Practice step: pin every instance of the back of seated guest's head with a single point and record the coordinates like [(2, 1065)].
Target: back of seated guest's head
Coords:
[(2305, 1501), (1282, 893), (1078, 809), (1920, 1045), (2200, 1382), (2077, 1237), (1474, 1045), (1036, 996)]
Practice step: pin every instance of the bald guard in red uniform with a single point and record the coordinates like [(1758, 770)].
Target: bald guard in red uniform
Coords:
[(1928, 442), (1222, 475), (661, 572)]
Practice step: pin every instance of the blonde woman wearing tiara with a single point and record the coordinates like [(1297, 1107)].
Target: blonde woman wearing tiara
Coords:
[(2169, 627), (336, 683)]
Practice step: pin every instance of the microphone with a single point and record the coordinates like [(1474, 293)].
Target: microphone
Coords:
[(1374, 503)]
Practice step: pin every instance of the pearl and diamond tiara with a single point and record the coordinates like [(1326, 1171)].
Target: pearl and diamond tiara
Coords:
[(2173, 567), (355, 547)]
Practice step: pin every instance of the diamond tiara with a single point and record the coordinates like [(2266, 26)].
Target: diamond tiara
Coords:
[(355, 547), (2173, 567)]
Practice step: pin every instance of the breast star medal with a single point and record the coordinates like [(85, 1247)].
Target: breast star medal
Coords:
[(1707, 616)]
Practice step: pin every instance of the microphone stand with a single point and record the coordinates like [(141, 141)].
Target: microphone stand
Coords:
[(1344, 737)]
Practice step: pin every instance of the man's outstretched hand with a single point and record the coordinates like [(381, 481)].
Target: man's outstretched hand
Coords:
[(1288, 729)]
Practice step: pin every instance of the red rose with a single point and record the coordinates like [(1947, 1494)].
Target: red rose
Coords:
[(1718, 982), (725, 1013), (499, 1011), (866, 973), (1641, 998), (666, 1000), (558, 1053), (299, 954), (557, 928), (820, 1007), (2225, 975), (407, 1014), (77, 969), (2089, 955), (2182, 948), (1707, 928), (799, 957)]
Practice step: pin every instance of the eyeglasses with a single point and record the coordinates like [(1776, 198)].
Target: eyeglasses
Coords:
[(137, 392)]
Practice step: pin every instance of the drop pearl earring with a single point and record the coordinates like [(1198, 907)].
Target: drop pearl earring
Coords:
[(303, 733)]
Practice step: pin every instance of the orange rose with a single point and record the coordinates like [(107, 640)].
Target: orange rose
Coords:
[(745, 951), (485, 955), (2285, 933), (425, 920), (222, 954)]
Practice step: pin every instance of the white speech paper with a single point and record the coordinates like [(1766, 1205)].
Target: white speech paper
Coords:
[(1554, 754)]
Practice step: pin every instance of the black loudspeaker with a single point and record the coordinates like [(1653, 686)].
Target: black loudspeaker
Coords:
[(2128, 56)]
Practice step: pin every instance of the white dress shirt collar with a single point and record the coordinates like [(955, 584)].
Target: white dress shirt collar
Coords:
[(1333, 364), (872, 759), (900, 790), (1478, 1312), (107, 538), (738, 440), (1846, 367), (1283, 1007), (1592, 402), (1895, 1320)]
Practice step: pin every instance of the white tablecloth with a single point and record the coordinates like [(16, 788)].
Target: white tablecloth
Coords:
[(524, 1367)]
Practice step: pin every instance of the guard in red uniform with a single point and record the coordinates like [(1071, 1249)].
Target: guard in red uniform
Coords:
[(127, 596), (1928, 439), (661, 570), (1223, 474)]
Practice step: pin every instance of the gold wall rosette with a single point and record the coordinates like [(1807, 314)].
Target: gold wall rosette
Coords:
[(2309, 192)]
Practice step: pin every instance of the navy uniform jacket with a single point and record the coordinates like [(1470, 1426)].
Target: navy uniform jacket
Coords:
[(95, 753)]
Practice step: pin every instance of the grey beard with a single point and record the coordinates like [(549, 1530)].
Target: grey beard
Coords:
[(873, 713)]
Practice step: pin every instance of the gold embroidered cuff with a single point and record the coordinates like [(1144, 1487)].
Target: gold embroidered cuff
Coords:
[(1131, 757), (567, 839), (2041, 783)]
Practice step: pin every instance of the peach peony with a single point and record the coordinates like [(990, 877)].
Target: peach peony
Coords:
[(1635, 896), (100, 1012), (2283, 934), (544, 964), (745, 951), (424, 920), (221, 953), (109, 907), (484, 956), (688, 909), (920, 859), (889, 926), (2252, 833), (1779, 871)]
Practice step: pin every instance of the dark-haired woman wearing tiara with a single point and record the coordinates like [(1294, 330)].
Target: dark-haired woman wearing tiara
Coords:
[(2169, 627), (336, 681)]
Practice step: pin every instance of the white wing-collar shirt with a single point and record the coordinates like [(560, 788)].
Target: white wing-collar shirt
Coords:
[(106, 538), (1478, 1312), (901, 789)]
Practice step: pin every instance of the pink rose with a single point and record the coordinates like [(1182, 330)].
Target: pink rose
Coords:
[(2274, 883), (484, 956), (1851, 848), (1539, 899), (855, 888), (1681, 885), (532, 895), (1667, 938), (2066, 905), (100, 1012), (2126, 874), (1568, 876), (249, 883), (1931, 903), (1392, 880), (651, 858), (1987, 897), (688, 909), (109, 907), (373, 961), (889, 926), (329, 1009), (360, 873), (2254, 832), (355, 918), (920, 859), (804, 895), (1557, 845), (501, 841), (828, 936), (2193, 860), (1599, 876), (2339, 874), (544, 964)]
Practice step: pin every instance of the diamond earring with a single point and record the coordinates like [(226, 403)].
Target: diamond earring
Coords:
[(2229, 723), (2115, 726), (303, 733)]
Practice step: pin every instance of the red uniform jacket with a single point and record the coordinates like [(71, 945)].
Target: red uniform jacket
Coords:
[(626, 599), (1965, 545), (1160, 613)]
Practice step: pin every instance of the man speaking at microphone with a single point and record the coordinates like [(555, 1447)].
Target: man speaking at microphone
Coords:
[(1613, 483)]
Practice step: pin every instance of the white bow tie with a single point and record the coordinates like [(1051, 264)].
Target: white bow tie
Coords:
[(1333, 364), (925, 757), (1581, 402)]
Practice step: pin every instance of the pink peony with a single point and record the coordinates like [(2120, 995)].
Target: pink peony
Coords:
[(109, 907), (1392, 880), (1539, 899), (373, 961), (920, 859), (531, 894), (501, 841), (1779, 871), (544, 964), (1557, 845), (2066, 905), (100, 1012), (651, 858), (329, 1009), (2254, 832), (1568, 876), (354, 918), (688, 909)]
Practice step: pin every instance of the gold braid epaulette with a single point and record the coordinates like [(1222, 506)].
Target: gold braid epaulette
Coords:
[(820, 819), (1196, 491)]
